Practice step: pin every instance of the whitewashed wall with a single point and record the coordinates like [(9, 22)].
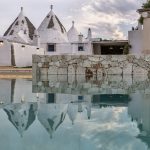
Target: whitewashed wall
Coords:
[(146, 36), (135, 40), (5, 53), (68, 48), (87, 49), (61, 48), (23, 56)]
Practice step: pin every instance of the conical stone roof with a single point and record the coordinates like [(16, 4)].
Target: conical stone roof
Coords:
[(73, 34), (21, 115), (51, 29), (21, 30)]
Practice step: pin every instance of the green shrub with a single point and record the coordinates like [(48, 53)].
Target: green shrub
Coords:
[(141, 20), (146, 5), (126, 49)]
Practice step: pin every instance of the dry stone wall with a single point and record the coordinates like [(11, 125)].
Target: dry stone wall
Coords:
[(91, 65)]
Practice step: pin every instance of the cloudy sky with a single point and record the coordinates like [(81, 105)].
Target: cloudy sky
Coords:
[(109, 19)]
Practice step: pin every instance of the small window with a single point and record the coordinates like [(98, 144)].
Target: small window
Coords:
[(80, 48), (51, 48), (80, 98), (51, 98)]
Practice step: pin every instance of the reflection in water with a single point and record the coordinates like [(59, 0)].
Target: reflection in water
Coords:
[(51, 116), (76, 121), (95, 85), (21, 115)]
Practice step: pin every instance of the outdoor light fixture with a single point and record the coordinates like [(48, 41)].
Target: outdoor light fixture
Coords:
[(37, 48), (1, 43), (121, 47), (23, 46)]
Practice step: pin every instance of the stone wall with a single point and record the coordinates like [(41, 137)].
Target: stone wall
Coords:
[(79, 85), (91, 65)]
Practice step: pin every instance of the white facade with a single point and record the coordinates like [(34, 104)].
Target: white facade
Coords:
[(135, 40), (22, 40), (139, 38), (5, 53), (19, 43), (56, 40), (23, 55)]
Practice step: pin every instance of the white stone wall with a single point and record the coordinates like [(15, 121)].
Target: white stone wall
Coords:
[(23, 56), (146, 36), (68, 48), (135, 38), (87, 49), (5, 53), (140, 39)]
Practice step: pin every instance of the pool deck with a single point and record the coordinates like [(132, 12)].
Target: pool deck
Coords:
[(13, 72)]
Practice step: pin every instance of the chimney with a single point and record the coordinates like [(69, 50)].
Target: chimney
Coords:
[(51, 7), (89, 34), (36, 39), (72, 23), (80, 38), (21, 9)]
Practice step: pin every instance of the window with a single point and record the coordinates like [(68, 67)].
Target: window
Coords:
[(80, 47), (50, 98), (80, 98), (51, 48)]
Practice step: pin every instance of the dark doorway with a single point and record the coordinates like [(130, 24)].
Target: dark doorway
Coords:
[(112, 50)]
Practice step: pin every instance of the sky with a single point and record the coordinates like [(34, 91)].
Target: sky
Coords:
[(108, 19)]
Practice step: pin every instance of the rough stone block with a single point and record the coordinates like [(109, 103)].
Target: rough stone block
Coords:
[(71, 69), (44, 71), (81, 70), (87, 63), (36, 58), (115, 70), (62, 71), (52, 70)]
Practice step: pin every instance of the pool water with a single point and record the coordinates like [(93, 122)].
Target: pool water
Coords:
[(81, 114)]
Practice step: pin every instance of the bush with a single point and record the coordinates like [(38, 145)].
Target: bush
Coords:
[(126, 49), (141, 20), (146, 5)]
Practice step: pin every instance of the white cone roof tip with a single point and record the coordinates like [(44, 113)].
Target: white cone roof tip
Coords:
[(73, 34), (51, 29), (21, 26)]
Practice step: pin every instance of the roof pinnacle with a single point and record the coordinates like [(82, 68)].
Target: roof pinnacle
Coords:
[(21, 8), (51, 7), (73, 23)]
